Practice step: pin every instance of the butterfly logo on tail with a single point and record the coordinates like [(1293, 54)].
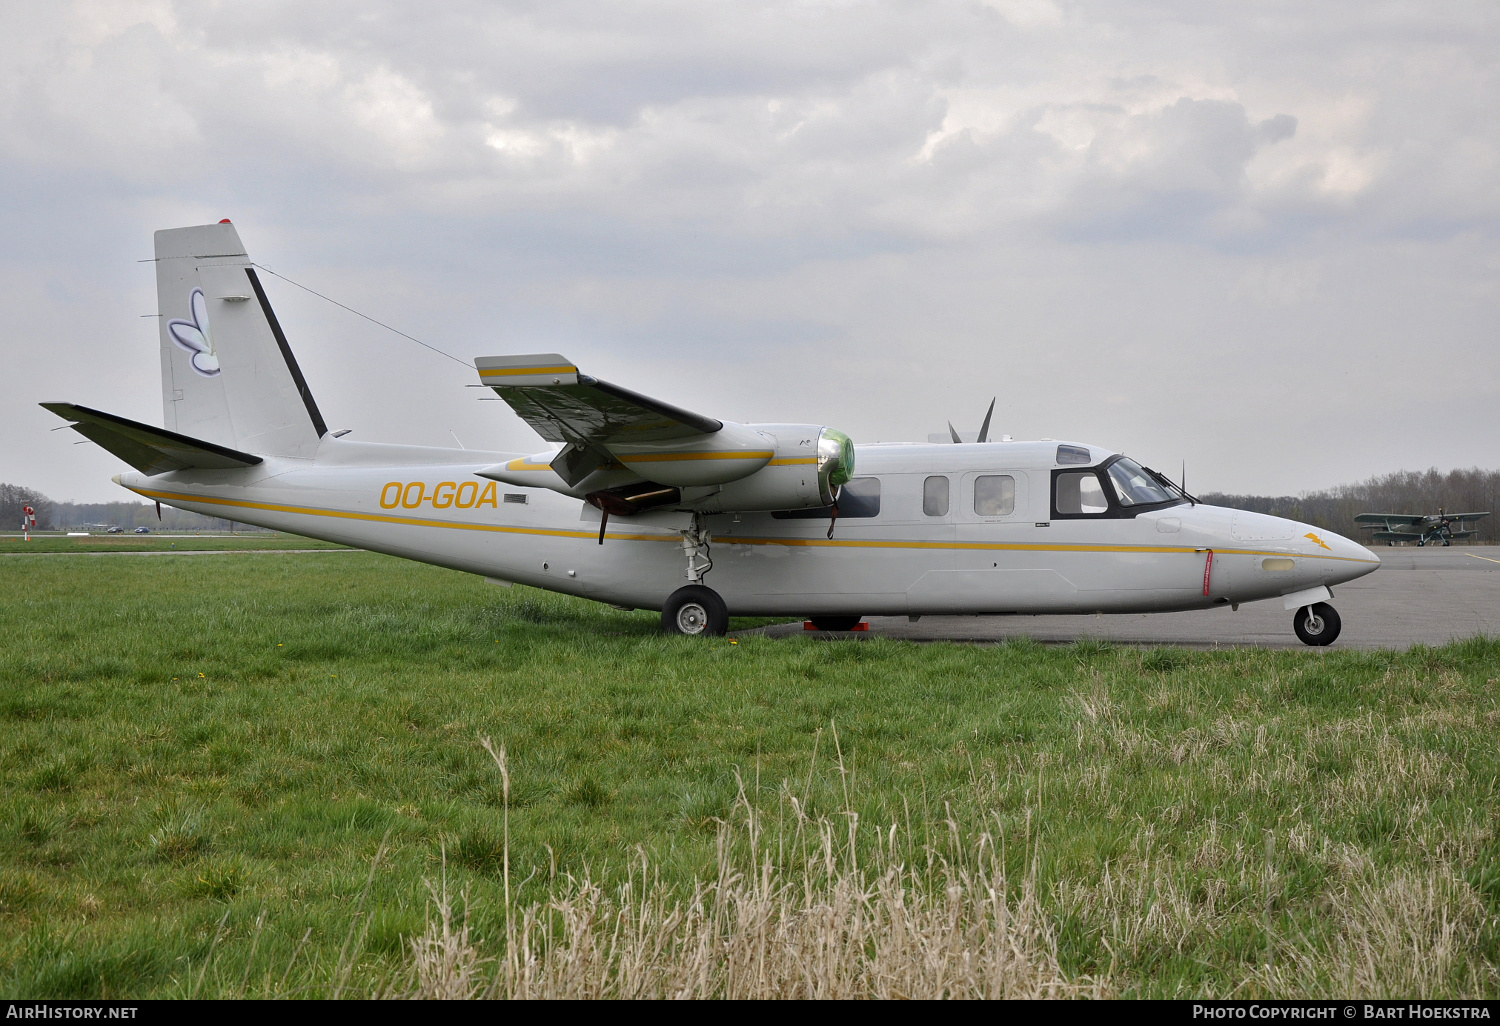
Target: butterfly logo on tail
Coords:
[(194, 337)]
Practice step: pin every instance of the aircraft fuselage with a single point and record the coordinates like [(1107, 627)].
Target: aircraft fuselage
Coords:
[(428, 504)]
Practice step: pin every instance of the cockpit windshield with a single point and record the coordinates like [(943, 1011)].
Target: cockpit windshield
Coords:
[(1134, 485)]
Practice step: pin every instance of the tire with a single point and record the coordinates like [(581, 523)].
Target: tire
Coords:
[(1317, 624), (835, 623), (695, 611)]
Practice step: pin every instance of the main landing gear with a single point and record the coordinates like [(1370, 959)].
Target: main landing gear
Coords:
[(1317, 624), (696, 609)]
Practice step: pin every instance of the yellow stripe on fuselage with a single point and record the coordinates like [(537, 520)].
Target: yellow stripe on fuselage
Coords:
[(789, 461), (386, 518)]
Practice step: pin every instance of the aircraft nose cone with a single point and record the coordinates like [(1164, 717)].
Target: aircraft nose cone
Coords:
[(1352, 559)]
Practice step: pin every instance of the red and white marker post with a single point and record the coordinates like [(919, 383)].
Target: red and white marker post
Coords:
[(28, 521)]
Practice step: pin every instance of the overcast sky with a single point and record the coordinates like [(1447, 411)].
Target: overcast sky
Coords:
[(1257, 237)]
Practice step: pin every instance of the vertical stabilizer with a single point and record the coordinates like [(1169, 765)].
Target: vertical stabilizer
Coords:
[(227, 373)]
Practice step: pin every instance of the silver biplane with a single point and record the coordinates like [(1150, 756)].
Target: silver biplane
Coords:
[(642, 504)]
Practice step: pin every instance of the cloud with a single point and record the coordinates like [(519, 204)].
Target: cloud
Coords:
[(933, 199)]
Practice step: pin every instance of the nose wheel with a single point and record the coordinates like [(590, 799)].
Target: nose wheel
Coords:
[(1317, 624), (695, 611)]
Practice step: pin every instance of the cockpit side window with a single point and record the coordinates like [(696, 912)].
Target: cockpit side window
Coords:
[(1120, 488), (1079, 493)]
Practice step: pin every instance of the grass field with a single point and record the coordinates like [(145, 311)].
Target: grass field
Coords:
[(241, 777), (155, 543)]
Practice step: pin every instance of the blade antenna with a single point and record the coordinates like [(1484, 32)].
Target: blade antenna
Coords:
[(956, 439), (984, 429)]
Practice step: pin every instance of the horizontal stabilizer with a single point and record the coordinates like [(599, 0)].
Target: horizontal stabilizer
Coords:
[(151, 450)]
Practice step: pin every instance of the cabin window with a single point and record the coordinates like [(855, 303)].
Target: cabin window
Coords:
[(1073, 454), (1079, 492), (1133, 485), (935, 496), (995, 495), (858, 500)]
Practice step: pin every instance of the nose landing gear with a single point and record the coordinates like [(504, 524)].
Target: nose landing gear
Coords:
[(1317, 624)]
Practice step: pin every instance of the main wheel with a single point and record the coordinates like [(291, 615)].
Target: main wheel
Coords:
[(1317, 624), (695, 610), (835, 623)]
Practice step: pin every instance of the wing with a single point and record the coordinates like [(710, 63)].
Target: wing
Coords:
[(1390, 518), (548, 393), (613, 430), (151, 450), (1465, 516)]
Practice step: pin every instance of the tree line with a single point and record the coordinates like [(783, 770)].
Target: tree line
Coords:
[(1405, 491), (67, 516)]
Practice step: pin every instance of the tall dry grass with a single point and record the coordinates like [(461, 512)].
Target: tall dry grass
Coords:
[(792, 914)]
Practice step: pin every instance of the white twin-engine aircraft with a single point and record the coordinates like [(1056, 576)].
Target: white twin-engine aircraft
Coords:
[(802, 521)]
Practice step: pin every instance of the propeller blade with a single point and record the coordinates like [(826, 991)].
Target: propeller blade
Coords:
[(956, 439), (984, 429)]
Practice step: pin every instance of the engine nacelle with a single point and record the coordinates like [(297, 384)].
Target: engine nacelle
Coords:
[(728, 454), (807, 467), (745, 468)]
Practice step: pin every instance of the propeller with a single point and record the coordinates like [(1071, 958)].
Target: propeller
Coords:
[(984, 429)]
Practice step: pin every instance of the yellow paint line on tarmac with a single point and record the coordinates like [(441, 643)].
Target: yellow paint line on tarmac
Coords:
[(1487, 559)]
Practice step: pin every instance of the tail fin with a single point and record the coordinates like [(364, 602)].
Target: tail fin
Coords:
[(227, 373)]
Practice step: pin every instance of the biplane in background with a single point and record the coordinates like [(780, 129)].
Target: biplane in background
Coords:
[(1422, 528)]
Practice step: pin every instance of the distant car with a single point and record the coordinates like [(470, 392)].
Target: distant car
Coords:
[(115, 530), (143, 530)]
